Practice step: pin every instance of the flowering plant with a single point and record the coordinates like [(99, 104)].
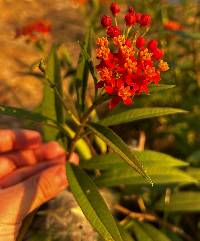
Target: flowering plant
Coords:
[(129, 64), (132, 64)]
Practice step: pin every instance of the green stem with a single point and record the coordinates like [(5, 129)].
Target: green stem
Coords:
[(83, 121), (74, 118)]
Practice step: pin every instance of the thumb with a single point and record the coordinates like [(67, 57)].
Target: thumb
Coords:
[(19, 200)]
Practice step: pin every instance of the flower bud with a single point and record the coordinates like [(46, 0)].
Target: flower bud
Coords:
[(138, 17), (131, 10), (130, 19), (106, 21), (42, 66), (158, 53), (140, 42), (113, 31), (115, 9), (145, 20), (152, 45)]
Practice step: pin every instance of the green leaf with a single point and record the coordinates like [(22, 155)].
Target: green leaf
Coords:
[(53, 74), (173, 236), (90, 66), (92, 204), (125, 235), (119, 146), (66, 56), (188, 34), (51, 105), (194, 172), (82, 72), (138, 114), (181, 202), (194, 159), (159, 176), (156, 88), (86, 48), (154, 233), (139, 232), (147, 158), (26, 114)]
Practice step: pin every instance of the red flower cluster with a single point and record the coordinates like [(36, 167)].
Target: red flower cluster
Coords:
[(34, 29), (128, 64)]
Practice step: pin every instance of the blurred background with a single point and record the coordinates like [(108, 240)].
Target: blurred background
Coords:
[(176, 24)]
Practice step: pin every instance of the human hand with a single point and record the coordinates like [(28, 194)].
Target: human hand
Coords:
[(31, 173)]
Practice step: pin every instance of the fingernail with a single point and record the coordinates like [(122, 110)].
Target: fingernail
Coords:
[(6, 166), (6, 140), (74, 159)]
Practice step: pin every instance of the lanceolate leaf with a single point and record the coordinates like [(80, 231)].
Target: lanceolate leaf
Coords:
[(181, 202), (53, 74), (90, 65), (92, 204), (146, 232), (147, 158), (194, 172), (25, 114), (156, 88), (139, 232), (51, 106), (159, 176), (125, 235), (138, 114), (188, 34), (173, 236), (87, 48), (119, 146), (82, 72), (154, 233)]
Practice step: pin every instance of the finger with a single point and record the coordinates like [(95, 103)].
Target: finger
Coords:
[(7, 166), (74, 159), (24, 197), (26, 172), (48, 151), (18, 139), (50, 183), (45, 152)]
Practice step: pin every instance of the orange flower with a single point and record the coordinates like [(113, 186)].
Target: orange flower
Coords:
[(79, 1), (173, 25), (34, 29), (163, 66)]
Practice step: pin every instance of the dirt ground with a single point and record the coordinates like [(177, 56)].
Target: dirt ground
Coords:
[(16, 55)]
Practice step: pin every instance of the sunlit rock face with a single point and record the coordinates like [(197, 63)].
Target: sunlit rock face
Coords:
[(68, 221), (16, 55), (63, 220)]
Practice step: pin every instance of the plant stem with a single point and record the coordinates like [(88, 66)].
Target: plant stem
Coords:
[(74, 118), (152, 218), (83, 121), (79, 130)]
